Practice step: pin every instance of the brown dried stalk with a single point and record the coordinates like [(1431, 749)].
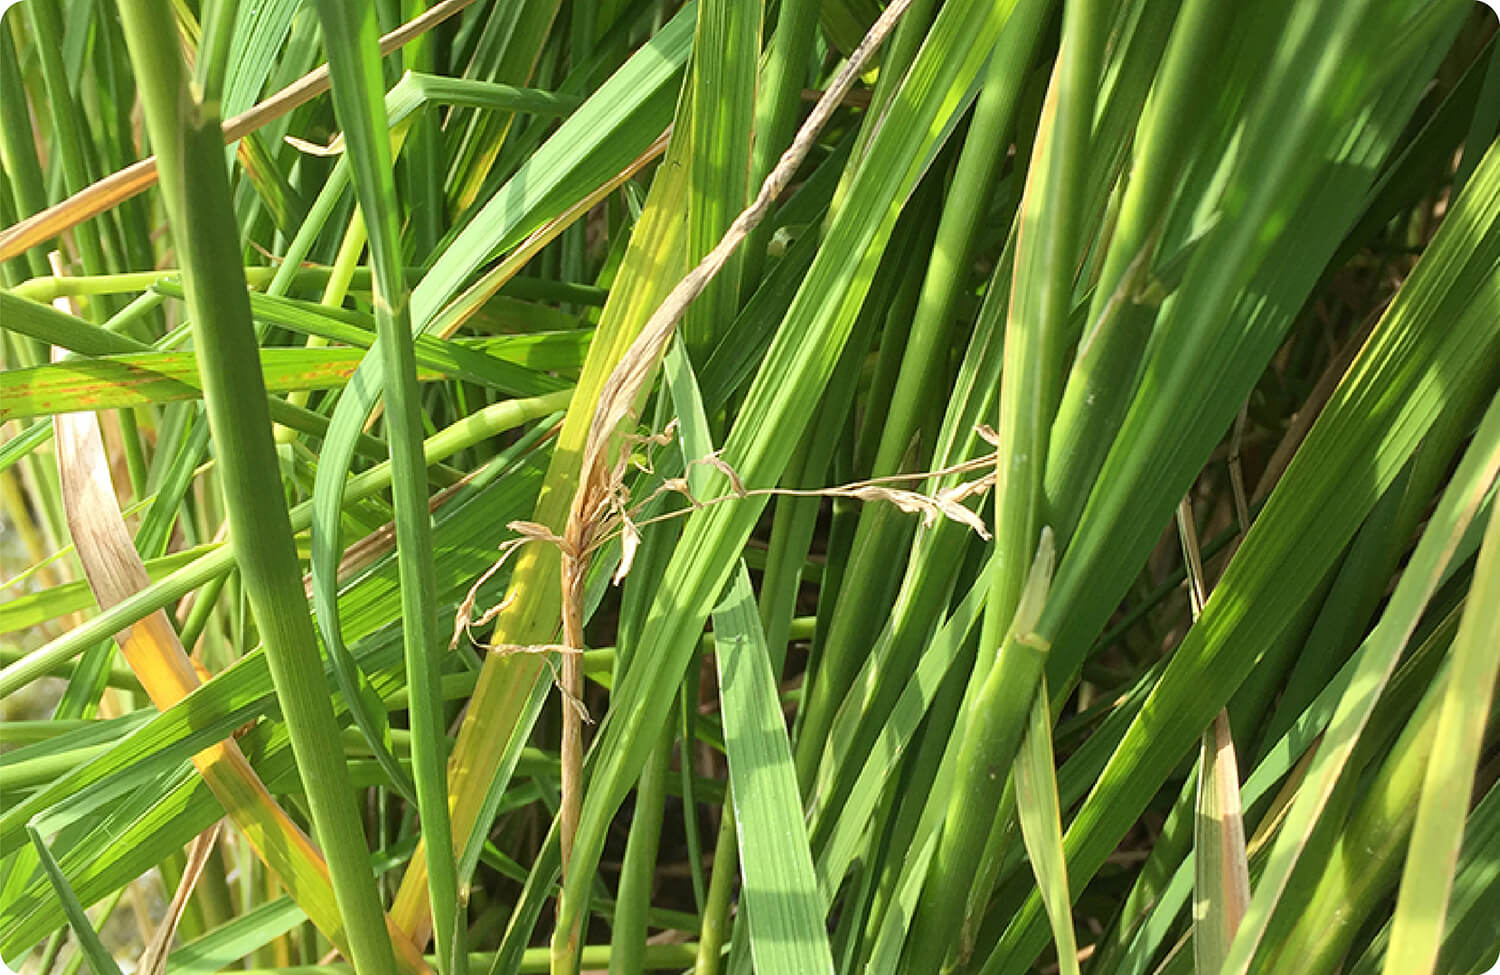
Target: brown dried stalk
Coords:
[(636, 365), (154, 960), (623, 523), (598, 487)]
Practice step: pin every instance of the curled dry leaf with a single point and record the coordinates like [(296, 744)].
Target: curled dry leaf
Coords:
[(630, 541), (463, 619), (931, 508), (967, 489), (719, 464), (621, 519), (334, 148)]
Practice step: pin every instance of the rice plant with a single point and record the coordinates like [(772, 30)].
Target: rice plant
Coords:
[(979, 486)]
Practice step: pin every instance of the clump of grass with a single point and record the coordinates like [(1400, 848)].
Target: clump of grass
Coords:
[(895, 592)]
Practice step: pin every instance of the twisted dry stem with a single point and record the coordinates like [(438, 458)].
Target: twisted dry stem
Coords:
[(598, 485)]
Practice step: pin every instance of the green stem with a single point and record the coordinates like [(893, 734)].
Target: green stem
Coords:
[(1005, 678), (18, 152), (637, 872), (720, 893), (182, 119), (779, 96), (853, 628), (47, 28), (1119, 319)]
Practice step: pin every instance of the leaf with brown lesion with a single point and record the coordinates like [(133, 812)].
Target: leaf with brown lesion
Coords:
[(151, 647)]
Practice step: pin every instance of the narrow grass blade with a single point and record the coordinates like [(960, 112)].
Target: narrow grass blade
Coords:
[(788, 49), (159, 377), (76, 335), (1041, 826), (553, 171), (1460, 502), (785, 909), (99, 958), (154, 961), (1221, 888), (1427, 880), (721, 99), (1221, 872), (1467, 942), (835, 844)]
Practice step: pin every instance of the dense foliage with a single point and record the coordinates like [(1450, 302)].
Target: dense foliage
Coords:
[(477, 505)]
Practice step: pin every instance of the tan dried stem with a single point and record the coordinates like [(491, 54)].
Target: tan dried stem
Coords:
[(622, 520), (636, 365), (598, 485), (154, 960), (1218, 779)]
